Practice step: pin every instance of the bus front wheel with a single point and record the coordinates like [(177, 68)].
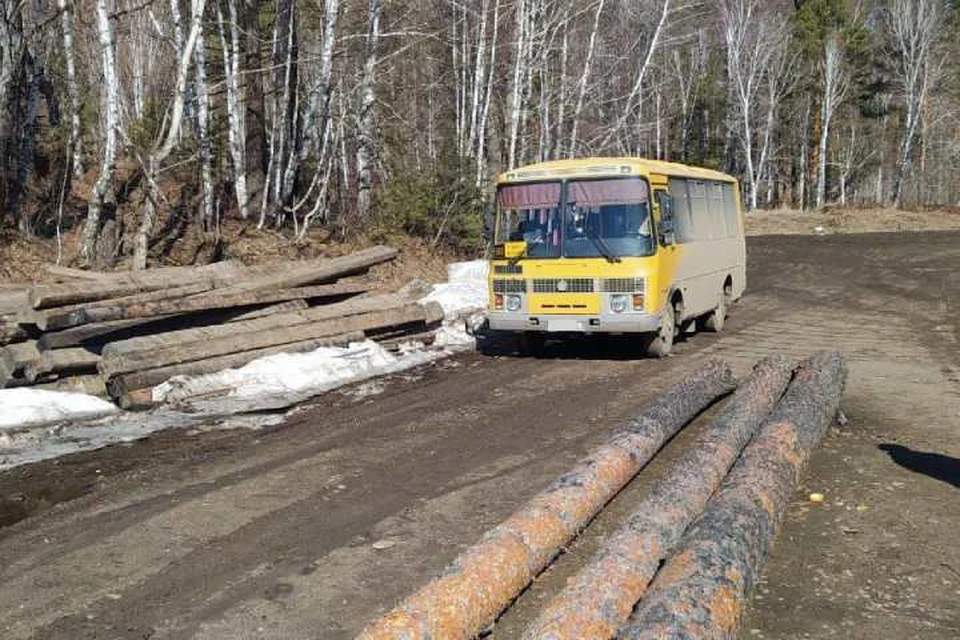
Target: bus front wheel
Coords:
[(662, 343)]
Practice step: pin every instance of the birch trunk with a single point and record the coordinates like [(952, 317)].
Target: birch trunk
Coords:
[(236, 122), (516, 86), (366, 123), (488, 93), (834, 89), (165, 145), (104, 184), (584, 81), (914, 28), (318, 109), (73, 90), (203, 132)]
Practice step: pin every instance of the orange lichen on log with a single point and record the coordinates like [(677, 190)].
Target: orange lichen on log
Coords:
[(701, 591), (599, 599), (486, 578)]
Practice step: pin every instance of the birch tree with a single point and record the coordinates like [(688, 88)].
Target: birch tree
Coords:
[(584, 81), (835, 80), (231, 46), (73, 88), (366, 123), (914, 28), (111, 90), (750, 41), (166, 142)]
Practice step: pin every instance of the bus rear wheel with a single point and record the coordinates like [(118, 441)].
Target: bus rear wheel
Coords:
[(715, 320), (661, 345)]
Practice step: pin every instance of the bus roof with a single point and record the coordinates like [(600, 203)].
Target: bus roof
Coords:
[(608, 167)]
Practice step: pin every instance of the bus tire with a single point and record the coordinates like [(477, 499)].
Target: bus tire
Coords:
[(715, 319), (661, 345)]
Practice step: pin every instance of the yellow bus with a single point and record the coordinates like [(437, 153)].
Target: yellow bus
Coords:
[(616, 246)]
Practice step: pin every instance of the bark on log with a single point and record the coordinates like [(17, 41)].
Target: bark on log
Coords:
[(98, 332), (92, 385), (290, 306), (125, 389), (600, 598), (288, 276), (485, 578), (126, 284), (700, 592), (13, 359), (72, 361), (70, 275), (76, 315), (235, 342), (259, 325), (228, 298), (11, 332)]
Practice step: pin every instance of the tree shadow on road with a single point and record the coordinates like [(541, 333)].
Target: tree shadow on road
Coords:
[(935, 465)]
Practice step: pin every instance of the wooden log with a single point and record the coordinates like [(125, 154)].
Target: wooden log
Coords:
[(289, 306), (287, 276), (71, 361), (220, 345), (106, 311), (11, 332), (487, 577), (258, 325), (14, 301), (14, 358), (98, 332), (125, 284), (298, 274), (599, 599), (700, 592), (395, 341), (68, 274), (92, 385), (124, 388), (227, 298)]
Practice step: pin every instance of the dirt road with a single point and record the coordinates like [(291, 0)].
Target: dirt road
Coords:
[(271, 534)]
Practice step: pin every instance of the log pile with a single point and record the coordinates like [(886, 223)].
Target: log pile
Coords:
[(123, 333), (685, 562)]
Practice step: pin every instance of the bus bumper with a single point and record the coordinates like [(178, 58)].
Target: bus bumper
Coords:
[(604, 323)]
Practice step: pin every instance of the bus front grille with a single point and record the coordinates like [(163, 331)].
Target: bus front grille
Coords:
[(623, 285), (563, 285), (509, 286)]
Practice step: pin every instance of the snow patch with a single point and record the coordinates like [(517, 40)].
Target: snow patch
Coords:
[(465, 292), (24, 407), (293, 374)]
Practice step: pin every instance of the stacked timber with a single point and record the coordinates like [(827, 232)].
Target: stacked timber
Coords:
[(123, 333)]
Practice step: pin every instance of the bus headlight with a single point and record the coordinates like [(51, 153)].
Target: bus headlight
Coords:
[(513, 303), (618, 304)]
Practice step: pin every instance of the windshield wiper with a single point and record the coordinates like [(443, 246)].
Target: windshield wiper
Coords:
[(603, 247)]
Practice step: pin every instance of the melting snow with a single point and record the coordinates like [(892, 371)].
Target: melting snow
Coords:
[(23, 407)]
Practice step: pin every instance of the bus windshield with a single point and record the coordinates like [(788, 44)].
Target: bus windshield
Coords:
[(531, 212), (608, 216), (603, 218)]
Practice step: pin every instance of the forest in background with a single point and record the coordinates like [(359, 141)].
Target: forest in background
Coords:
[(126, 125)]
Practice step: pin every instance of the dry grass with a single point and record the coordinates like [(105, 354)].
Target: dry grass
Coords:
[(786, 221)]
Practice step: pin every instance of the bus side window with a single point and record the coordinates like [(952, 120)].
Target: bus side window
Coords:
[(730, 208), (718, 218), (699, 214), (682, 222)]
